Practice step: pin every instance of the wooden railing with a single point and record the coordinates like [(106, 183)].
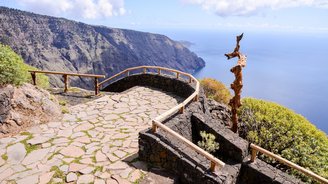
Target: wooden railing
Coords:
[(157, 122), (65, 76), (256, 149)]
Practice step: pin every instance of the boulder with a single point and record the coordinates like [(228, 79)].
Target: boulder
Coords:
[(24, 106)]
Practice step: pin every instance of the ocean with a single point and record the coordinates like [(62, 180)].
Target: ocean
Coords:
[(287, 68)]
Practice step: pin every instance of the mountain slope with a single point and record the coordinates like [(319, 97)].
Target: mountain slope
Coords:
[(50, 43)]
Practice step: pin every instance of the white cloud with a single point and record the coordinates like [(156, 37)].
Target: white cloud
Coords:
[(88, 9), (249, 7)]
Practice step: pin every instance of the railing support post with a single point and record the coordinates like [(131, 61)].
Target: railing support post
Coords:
[(196, 98), (212, 168), (144, 70), (65, 83), (33, 78), (178, 75), (253, 156), (181, 110), (96, 86), (190, 79), (159, 71), (154, 128), (128, 72)]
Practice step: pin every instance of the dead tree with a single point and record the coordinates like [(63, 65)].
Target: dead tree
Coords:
[(237, 84)]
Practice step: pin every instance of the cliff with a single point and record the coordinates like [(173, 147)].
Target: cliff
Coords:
[(50, 43)]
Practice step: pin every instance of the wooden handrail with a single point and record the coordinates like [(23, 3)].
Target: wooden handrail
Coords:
[(65, 76), (67, 73), (156, 122), (144, 67), (307, 172), (214, 161)]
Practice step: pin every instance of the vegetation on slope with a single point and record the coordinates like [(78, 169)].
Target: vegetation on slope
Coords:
[(215, 90), (285, 133), (14, 71)]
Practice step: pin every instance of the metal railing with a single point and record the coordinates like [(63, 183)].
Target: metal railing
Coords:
[(157, 121), (256, 149)]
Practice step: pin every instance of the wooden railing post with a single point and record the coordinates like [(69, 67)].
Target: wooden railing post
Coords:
[(190, 79), (181, 110), (144, 70), (33, 78), (154, 127), (212, 168), (253, 156), (159, 71), (178, 75), (196, 98), (65, 83), (96, 86)]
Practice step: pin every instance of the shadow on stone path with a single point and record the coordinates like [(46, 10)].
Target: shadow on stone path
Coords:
[(97, 142)]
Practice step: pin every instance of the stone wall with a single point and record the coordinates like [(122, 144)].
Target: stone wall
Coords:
[(261, 172), (167, 84), (161, 153)]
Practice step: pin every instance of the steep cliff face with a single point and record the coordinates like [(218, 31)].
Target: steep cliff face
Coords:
[(50, 43)]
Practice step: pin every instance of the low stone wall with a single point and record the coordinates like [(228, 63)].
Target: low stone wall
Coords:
[(261, 172), (161, 153), (165, 83)]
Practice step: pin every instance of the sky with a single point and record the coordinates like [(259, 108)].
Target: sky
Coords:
[(279, 15)]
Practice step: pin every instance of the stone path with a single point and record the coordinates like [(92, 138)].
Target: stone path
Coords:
[(96, 142)]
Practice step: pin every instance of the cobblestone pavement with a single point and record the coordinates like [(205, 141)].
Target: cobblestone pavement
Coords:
[(97, 142)]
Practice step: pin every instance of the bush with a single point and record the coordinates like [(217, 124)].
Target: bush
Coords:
[(216, 90), (14, 71), (285, 133), (208, 142)]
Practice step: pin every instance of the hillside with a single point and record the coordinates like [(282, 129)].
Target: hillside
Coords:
[(50, 43)]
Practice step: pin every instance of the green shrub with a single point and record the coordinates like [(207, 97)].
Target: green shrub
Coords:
[(208, 142), (216, 90), (11, 67), (14, 71), (285, 133)]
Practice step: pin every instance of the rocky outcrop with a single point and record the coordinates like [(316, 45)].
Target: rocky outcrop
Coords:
[(23, 106), (50, 43)]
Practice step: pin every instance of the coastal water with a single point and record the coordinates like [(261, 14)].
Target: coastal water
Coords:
[(287, 68)]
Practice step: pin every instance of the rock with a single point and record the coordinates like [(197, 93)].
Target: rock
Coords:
[(35, 156), (83, 127), (64, 168), (72, 151), (46, 177), (100, 157), (74, 167), (24, 106), (71, 177), (34, 179), (85, 179), (16, 153), (119, 165), (87, 170), (6, 173), (120, 153), (99, 181), (38, 140)]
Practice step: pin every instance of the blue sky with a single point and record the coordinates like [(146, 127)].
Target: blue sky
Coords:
[(278, 15)]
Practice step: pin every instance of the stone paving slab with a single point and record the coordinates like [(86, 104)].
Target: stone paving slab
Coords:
[(97, 142)]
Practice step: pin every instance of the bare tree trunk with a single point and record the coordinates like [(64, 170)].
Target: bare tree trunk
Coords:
[(237, 84)]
